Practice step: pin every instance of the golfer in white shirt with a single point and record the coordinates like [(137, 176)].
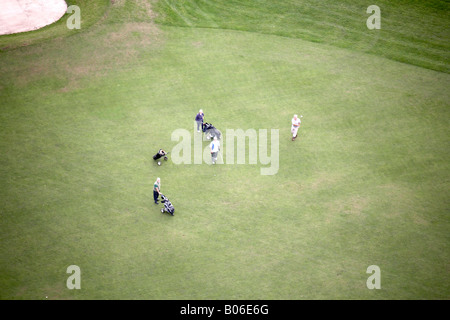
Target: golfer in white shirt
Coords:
[(215, 148), (296, 122)]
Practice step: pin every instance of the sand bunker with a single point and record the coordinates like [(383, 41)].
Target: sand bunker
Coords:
[(27, 15)]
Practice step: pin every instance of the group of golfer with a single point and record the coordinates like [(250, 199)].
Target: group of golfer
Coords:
[(215, 145)]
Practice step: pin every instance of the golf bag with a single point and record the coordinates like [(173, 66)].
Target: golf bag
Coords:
[(168, 207), (210, 131), (161, 153)]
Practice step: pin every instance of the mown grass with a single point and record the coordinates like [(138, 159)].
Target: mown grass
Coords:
[(414, 32), (81, 117)]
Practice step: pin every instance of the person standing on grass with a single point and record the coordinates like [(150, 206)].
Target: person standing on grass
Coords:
[(215, 148), (295, 125), (199, 119), (156, 189)]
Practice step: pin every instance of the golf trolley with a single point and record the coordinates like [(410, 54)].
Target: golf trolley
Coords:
[(211, 131), (168, 207), (161, 153)]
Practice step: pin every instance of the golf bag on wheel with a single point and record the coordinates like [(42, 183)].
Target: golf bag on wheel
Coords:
[(210, 131), (161, 153), (168, 207)]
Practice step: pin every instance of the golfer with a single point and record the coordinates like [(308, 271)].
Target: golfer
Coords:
[(156, 189), (199, 119), (215, 148), (296, 122)]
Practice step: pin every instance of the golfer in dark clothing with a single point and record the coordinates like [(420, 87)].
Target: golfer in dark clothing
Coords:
[(156, 190), (199, 119)]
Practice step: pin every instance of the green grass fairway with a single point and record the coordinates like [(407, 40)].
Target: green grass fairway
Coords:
[(366, 183)]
